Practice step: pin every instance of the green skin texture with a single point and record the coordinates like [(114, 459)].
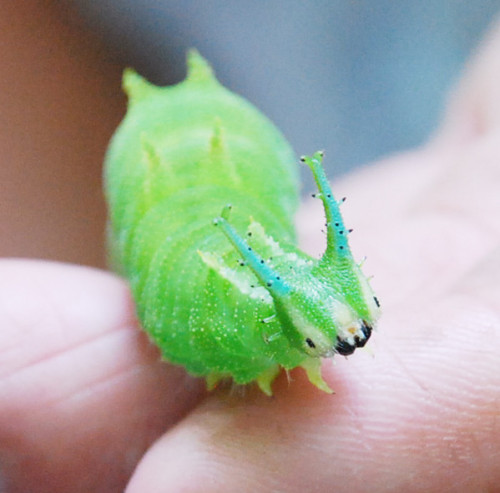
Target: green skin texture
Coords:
[(224, 294)]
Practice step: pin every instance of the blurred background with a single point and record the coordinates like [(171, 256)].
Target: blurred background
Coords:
[(358, 78)]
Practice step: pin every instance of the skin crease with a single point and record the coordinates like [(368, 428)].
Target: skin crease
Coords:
[(83, 396)]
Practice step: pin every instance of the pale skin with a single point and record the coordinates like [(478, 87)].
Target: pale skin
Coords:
[(85, 405)]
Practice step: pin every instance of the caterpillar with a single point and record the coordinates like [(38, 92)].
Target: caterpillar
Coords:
[(201, 191)]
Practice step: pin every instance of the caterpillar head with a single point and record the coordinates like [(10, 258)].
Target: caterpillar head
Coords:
[(319, 320), (324, 307)]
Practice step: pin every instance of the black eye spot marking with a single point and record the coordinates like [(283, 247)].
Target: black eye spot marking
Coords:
[(367, 331), (310, 343), (344, 348)]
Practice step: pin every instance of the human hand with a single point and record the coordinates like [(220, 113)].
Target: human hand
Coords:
[(83, 395)]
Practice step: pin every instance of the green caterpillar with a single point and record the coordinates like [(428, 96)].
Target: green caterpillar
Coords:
[(226, 294)]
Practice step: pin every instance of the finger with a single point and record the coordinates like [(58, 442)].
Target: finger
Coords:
[(82, 392), (419, 416)]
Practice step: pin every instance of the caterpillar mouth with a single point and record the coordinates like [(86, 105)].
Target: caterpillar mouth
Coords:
[(346, 347)]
